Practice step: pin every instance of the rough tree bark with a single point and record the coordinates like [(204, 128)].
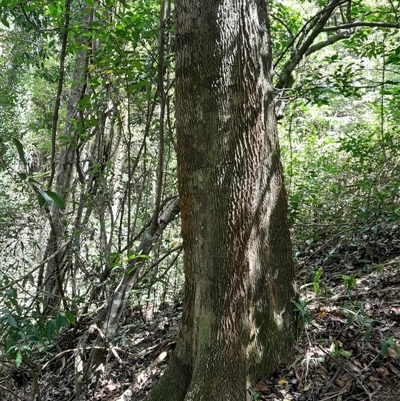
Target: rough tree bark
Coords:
[(238, 320)]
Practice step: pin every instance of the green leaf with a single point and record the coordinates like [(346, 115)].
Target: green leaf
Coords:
[(41, 200), (11, 321), (53, 10), (5, 22), (48, 197), (61, 321), (20, 149), (345, 353), (70, 317), (56, 199), (384, 347), (44, 196), (11, 293), (85, 102), (50, 330), (18, 358)]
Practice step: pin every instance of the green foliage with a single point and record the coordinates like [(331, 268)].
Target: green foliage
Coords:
[(336, 351), (20, 149), (23, 330), (302, 310), (317, 284), (346, 177), (349, 283), (340, 140), (44, 197), (390, 342), (356, 315), (316, 281)]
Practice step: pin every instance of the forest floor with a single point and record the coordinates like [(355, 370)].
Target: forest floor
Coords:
[(348, 348)]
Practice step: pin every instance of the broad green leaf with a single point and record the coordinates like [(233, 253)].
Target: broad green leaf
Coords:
[(45, 196), (70, 317), (20, 149), (11, 293), (5, 22), (53, 10), (85, 103), (61, 321), (41, 200), (56, 199), (11, 321)]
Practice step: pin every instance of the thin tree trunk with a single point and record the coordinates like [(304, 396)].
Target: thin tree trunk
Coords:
[(56, 269), (108, 322), (238, 320)]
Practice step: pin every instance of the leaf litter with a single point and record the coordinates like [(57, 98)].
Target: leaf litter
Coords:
[(349, 346)]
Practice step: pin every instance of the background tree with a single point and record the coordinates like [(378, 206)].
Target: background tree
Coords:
[(106, 181)]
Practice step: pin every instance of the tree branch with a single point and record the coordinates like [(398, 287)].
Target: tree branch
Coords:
[(357, 24), (284, 77), (283, 23), (306, 29), (395, 12), (37, 267), (330, 41)]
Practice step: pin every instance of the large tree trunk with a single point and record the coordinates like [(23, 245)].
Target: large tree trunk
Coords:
[(238, 318)]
